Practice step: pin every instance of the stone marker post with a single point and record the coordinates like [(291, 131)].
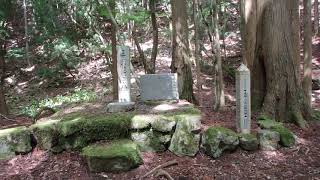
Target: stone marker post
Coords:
[(124, 77), (243, 114), (124, 97)]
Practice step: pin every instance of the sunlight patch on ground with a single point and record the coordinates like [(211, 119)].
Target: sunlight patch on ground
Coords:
[(274, 155)]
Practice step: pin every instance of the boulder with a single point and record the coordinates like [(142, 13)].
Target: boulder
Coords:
[(151, 141), (268, 140), (267, 123), (217, 140), (248, 142), (121, 155), (14, 140), (186, 138)]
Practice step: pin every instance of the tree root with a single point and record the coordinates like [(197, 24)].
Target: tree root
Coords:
[(162, 172), (158, 168)]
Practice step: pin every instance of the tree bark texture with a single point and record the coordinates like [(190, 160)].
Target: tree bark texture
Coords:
[(316, 17), (272, 56), (307, 51), (152, 6), (219, 101), (181, 62), (3, 105), (114, 70)]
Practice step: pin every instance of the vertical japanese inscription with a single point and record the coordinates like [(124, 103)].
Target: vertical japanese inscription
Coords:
[(124, 74)]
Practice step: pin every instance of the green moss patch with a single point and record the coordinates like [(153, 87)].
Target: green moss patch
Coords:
[(267, 123), (121, 155)]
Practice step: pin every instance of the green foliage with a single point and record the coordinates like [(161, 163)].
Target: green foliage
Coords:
[(79, 95)]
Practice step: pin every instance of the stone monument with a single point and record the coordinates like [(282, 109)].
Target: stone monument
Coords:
[(159, 87), (123, 66), (243, 114)]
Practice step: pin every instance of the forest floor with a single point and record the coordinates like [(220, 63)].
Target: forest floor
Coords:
[(300, 162)]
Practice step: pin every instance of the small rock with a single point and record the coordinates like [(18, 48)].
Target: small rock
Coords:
[(216, 140), (248, 142), (120, 107), (268, 140)]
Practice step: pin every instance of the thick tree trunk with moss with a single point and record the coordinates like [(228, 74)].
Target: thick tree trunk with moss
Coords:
[(181, 62), (307, 51), (276, 90)]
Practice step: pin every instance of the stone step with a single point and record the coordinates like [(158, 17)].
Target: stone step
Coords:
[(121, 155)]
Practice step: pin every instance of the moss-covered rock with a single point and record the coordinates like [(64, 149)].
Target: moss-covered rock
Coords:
[(185, 140), (121, 155), (142, 121), (268, 140), (46, 134), (248, 142), (216, 140), (286, 136), (266, 123), (151, 141), (14, 140), (163, 123)]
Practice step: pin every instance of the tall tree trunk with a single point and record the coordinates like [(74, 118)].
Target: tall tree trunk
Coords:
[(219, 101), (197, 47), (114, 52), (3, 104), (26, 32), (181, 62), (276, 90), (152, 6), (316, 17), (140, 51), (307, 51)]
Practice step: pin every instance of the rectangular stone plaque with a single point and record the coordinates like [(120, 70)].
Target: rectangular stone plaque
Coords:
[(159, 87), (123, 67), (243, 113)]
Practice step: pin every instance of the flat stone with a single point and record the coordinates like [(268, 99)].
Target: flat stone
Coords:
[(216, 140), (268, 140), (159, 87), (118, 156), (14, 140), (120, 107)]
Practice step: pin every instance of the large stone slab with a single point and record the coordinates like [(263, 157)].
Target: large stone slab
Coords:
[(159, 87), (121, 155), (120, 107)]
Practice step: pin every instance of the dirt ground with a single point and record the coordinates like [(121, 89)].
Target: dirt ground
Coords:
[(300, 162)]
